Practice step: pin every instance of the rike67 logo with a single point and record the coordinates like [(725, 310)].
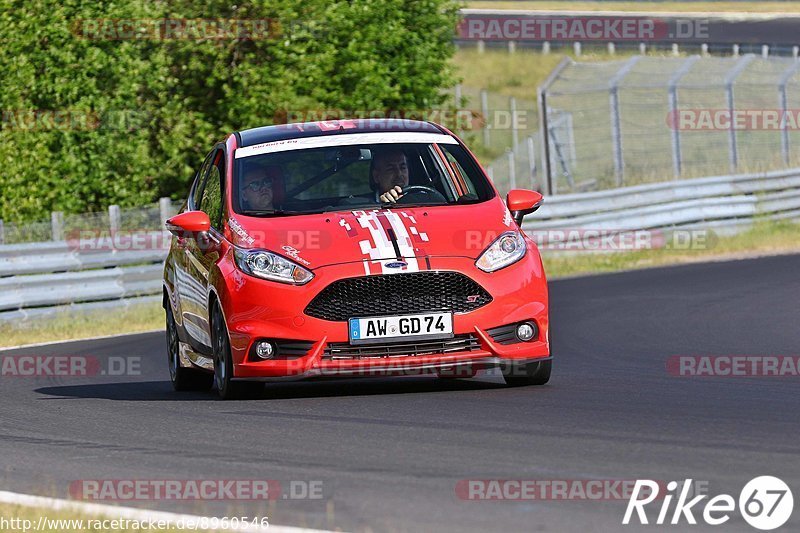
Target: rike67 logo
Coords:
[(765, 503)]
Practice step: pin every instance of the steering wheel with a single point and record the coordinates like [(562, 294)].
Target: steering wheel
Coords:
[(420, 188), (413, 190)]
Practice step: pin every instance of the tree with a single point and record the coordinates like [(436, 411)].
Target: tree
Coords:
[(93, 115)]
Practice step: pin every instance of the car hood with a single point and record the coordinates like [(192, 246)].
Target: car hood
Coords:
[(388, 236)]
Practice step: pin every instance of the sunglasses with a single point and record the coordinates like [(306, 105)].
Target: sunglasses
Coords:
[(254, 186)]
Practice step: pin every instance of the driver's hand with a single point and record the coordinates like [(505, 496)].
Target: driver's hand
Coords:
[(392, 195)]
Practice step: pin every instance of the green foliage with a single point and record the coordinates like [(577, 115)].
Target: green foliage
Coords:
[(89, 120)]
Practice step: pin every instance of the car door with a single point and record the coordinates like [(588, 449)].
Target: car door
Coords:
[(186, 286), (203, 252)]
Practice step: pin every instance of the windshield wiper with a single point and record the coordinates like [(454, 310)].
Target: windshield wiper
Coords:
[(397, 205)]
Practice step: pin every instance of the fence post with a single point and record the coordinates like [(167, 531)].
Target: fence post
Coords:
[(531, 163), (512, 170), (784, 107), (616, 129), (485, 113), (512, 103), (729, 79), (544, 132), (512, 47), (481, 46), (57, 225), (675, 134), (612, 49), (113, 218), (165, 208), (576, 47)]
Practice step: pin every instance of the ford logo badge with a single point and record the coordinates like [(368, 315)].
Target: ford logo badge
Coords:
[(396, 264)]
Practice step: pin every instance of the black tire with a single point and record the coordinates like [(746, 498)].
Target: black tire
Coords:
[(183, 379), (536, 373), (227, 389)]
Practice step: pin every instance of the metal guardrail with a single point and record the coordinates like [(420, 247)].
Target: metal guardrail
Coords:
[(47, 257), (19, 292), (720, 201), (37, 279)]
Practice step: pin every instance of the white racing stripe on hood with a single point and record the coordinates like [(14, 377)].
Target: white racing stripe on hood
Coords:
[(403, 242), (381, 250)]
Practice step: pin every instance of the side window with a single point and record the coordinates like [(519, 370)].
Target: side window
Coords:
[(199, 182), (459, 173), (211, 202)]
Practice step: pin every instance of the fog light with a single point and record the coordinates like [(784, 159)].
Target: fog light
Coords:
[(265, 350), (526, 331)]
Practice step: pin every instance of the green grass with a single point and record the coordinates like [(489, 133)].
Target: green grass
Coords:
[(764, 238), (68, 325), (700, 7)]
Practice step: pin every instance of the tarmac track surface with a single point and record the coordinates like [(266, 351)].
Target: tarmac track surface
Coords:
[(389, 453)]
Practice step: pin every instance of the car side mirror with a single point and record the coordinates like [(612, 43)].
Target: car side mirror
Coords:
[(189, 224), (523, 202)]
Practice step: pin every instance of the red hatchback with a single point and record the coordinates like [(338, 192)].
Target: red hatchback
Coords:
[(351, 248)]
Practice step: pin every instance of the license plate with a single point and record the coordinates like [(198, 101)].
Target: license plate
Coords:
[(401, 327)]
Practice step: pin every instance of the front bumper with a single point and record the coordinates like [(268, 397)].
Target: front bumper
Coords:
[(258, 309)]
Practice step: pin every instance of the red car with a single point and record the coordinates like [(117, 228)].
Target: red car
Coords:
[(351, 248)]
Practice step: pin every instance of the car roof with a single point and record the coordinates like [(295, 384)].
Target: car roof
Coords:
[(332, 127)]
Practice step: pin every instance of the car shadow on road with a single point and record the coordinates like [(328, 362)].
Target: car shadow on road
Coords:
[(154, 391)]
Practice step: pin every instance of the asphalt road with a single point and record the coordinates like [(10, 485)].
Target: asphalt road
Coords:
[(390, 453)]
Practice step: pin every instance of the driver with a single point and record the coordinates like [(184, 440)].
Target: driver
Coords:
[(261, 188), (390, 173)]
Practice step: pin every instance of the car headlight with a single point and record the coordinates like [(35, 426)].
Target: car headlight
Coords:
[(267, 265), (507, 249)]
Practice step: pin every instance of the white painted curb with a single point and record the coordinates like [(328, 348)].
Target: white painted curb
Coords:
[(132, 513)]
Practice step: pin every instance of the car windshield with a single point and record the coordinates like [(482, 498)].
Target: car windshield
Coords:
[(281, 179)]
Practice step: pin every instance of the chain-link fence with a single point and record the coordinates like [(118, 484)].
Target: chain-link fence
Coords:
[(61, 226), (649, 119)]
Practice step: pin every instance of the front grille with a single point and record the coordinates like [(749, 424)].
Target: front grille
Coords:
[(504, 334), (396, 294), (342, 350)]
